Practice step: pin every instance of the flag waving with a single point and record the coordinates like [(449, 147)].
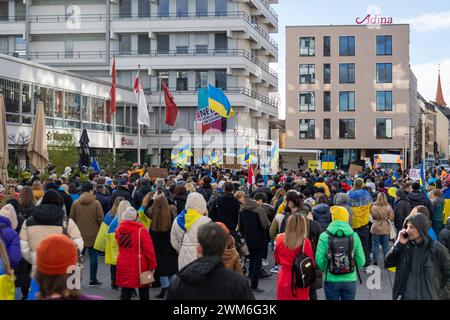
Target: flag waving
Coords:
[(171, 107), (143, 117), (112, 93), (218, 102)]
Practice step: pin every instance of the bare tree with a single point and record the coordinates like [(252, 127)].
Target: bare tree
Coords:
[(20, 142)]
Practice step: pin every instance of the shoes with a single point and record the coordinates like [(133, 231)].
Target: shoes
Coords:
[(257, 290), (114, 285), (275, 269), (264, 274), (375, 263), (94, 283), (162, 294), (265, 263)]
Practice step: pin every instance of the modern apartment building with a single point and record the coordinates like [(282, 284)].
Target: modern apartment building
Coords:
[(188, 43), (350, 91)]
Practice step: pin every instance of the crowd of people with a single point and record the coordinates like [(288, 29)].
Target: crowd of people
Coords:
[(204, 233)]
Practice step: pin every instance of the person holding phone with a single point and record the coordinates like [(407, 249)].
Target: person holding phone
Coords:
[(422, 265)]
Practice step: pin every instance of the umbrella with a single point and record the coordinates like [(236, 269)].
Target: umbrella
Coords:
[(37, 147), (4, 158), (85, 154)]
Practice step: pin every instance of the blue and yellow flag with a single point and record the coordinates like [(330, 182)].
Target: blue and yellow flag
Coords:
[(218, 102), (112, 247), (446, 197), (187, 218), (181, 157)]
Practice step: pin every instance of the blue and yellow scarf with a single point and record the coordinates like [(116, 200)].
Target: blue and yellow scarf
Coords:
[(187, 218)]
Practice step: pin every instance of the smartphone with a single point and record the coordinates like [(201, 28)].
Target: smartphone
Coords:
[(405, 235)]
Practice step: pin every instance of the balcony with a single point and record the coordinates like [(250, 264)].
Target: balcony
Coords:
[(61, 24), (263, 8), (12, 25), (62, 57)]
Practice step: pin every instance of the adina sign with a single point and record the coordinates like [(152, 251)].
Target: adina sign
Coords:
[(376, 19)]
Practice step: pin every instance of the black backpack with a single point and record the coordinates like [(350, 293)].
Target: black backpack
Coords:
[(341, 254), (303, 273)]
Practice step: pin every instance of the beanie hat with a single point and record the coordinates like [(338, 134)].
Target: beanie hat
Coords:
[(196, 201), (129, 214), (55, 254), (87, 187), (159, 183), (339, 214), (51, 185), (52, 197), (224, 227), (8, 212), (359, 183), (392, 192)]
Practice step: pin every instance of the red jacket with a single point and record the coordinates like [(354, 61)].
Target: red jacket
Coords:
[(285, 257), (127, 236)]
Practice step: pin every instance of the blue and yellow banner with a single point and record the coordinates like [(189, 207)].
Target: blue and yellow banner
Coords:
[(218, 102)]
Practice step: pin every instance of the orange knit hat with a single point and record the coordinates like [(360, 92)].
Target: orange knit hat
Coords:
[(55, 254)]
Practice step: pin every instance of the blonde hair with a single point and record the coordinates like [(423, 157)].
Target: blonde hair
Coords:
[(381, 200), (296, 231), (189, 187), (123, 206), (115, 206), (240, 194)]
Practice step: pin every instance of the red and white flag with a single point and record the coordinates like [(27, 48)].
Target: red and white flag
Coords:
[(171, 107), (112, 92), (143, 117), (251, 177)]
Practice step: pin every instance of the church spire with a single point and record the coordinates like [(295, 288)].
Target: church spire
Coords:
[(439, 100)]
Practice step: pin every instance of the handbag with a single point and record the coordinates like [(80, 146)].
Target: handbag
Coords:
[(392, 231), (7, 287), (146, 277)]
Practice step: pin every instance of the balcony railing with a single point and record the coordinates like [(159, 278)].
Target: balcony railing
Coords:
[(57, 55), (6, 19), (43, 18), (269, 7)]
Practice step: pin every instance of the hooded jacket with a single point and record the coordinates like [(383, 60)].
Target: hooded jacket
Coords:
[(437, 211), (121, 191), (231, 258), (140, 195), (87, 213), (207, 279), (11, 241), (226, 209), (46, 219), (429, 261), (418, 198), (104, 201), (254, 224), (381, 216), (324, 186), (321, 213), (444, 235), (402, 209)]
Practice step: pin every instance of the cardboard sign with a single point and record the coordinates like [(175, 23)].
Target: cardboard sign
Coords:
[(328, 166), (354, 169), (231, 166), (414, 174), (314, 164), (157, 172)]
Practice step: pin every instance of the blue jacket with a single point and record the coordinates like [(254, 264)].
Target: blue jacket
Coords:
[(321, 213), (11, 240)]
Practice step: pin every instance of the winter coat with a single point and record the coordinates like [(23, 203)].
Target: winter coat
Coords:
[(127, 236), (183, 235), (67, 200), (266, 191), (11, 241), (418, 198), (140, 195), (360, 201), (253, 224), (226, 209), (286, 257), (206, 191), (207, 279), (433, 264), (180, 202), (335, 228), (121, 192), (437, 213), (231, 258), (343, 200), (444, 235), (104, 201), (321, 213), (324, 186), (381, 216), (87, 213), (46, 219), (402, 209), (166, 256)]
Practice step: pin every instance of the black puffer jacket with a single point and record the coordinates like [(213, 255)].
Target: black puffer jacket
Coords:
[(225, 209), (418, 198), (444, 235), (254, 224), (207, 279), (435, 263), (121, 192), (140, 195), (402, 209), (321, 213)]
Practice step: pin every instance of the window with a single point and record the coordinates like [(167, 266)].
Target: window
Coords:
[(125, 44), (347, 46), (326, 46), (201, 49), (384, 72), (20, 46), (20, 10), (164, 78), (182, 8), (182, 81), (201, 79), (201, 43), (125, 9), (144, 8), (221, 42), (98, 114), (327, 128), (72, 110), (4, 44), (306, 101), (347, 128), (307, 73), (182, 49), (143, 44), (347, 101), (85, 108), (346, 73), (68, 45), (384, 100), (307, 129), (307, 46), (326, 73), (26, 103), (11, 95), (326, 101), (384, 45), (4, 12), (163, 8), (384, 128), (162, 43), (45, 95), (201, 8), (221, 7), (221, 80)]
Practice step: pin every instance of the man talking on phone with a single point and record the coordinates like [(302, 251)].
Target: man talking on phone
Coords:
[(422, 265)]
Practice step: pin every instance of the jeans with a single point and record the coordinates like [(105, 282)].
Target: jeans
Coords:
[(340, 290), (166, 280), (144, 293), (376, 241), (364, 235), (113, 269), (93, 263), (256, 256)]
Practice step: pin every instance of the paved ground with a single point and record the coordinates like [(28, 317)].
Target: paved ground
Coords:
[(365, 291)]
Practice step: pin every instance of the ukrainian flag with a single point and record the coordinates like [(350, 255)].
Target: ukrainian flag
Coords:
[(112, 247), (218, 102), (446, 197), (181, 157), (102, 235), (422, 177), (187, 218)]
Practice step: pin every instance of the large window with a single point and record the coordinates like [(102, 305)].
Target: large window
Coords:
[(384, 45), (182, 80), (163, 8), (327, 128), (201, 43), (4, 11), (307, 128), (143, 44), (326, 46), (307, 46), (125, 8), (85, 112), (384, 72), (182, 8), (182, 43), (307, 101), (220, 42), (98, 113), (59, 111), (201, 8), (347, 101), (384, 128), (68, 49), (20, 46), (44, 95), (26, 103), (326, 101), (346, 45), (221, 7), (120, 117), (125, 44), (201, 79), (20, 10), (221, 80), (346, 73), (144, 8), (72, 110), (307, 73), (384, 100), (326, 73), (347, 128), (162, 43), (11, 95)]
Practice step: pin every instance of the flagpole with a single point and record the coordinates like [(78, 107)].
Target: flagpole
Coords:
[(139, 126), (160, 120), (114, 119)]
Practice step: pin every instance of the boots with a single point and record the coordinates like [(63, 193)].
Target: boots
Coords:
[(162, 294)]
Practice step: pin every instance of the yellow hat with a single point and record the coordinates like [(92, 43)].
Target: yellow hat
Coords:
[(392, 192), (339, 214)]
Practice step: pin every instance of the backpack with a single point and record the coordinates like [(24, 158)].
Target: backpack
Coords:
[(341, 254), (303, 272)]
